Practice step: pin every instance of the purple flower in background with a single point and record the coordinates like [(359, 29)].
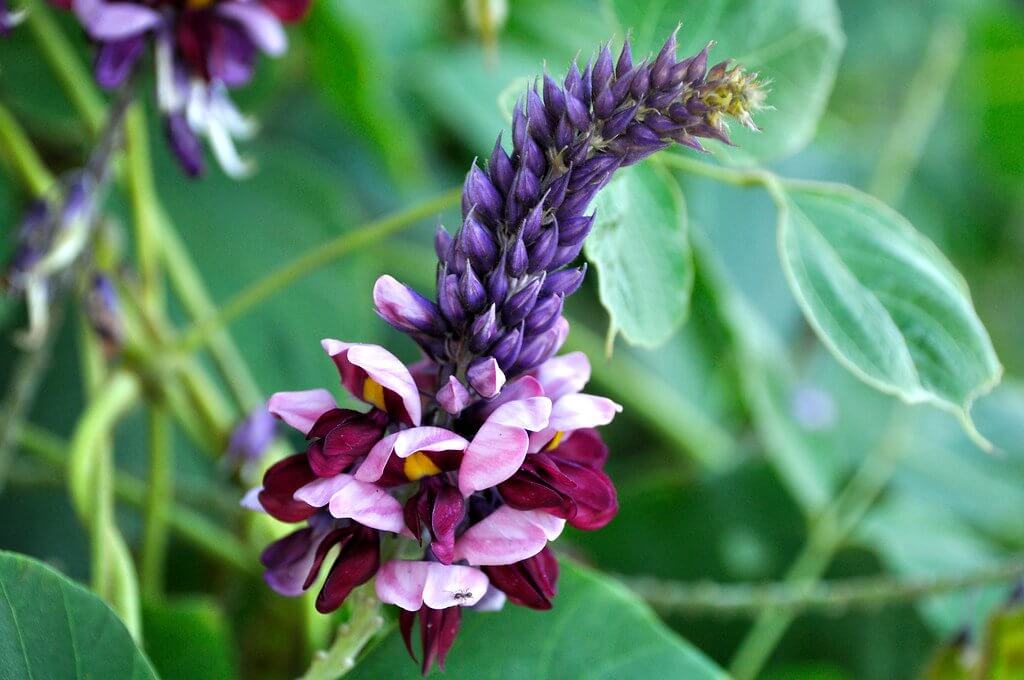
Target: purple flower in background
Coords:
[(484, 450), (201, 51), (103, 309), (9, 18), (252, 437)]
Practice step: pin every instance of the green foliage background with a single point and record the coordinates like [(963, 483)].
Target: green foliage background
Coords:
[(722, 476)]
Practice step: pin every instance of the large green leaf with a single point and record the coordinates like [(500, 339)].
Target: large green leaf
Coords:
[(883, 299), (597, 629), (50, 627), (640, 250), (794, 44)]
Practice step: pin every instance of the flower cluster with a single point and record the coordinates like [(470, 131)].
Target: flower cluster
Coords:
[(469, 462), (202, 49)]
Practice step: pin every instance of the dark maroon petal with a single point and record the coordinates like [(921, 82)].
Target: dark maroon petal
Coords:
[(352, 438), (356, 564), (530, 583), (594, 497), (114, 60), (406, 619), (438, 628), (230, 54), (584, 447), (342, 536), (280, 482), (451, 618), (287, 10), (525, 491), (446, 515)]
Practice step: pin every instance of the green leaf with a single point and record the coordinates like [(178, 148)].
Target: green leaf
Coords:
[(51, 627), (597, 629), (189, 640), (883, 299), (640, 248), (794, 44)]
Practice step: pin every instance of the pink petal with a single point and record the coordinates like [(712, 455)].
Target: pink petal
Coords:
[(355, 362), (111, 21), (566, 374), (301, 409), (405, 443), (263, 28), (319, 492), (453, 396), (369, 505), (575, 412), (507, 536), (521, 388), (499, 447), (404, 308), (411, 584), (486, 377)]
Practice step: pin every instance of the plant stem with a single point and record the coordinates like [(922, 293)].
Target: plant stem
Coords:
[(743, 599), (191, 526), (315, 258), (827, 535), (352, 636), (921, 108), (19, 152), (159, 502), (138, 178), (75, 79)]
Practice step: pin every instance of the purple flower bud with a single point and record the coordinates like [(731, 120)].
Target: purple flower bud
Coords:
[(577, 112), (574, 230), (500, 168), (525, 187), (252, 437), (554, 98), (532, 223), (184, 144), (544, 313), (449, 301), (618, 122), (641, 84), (103, 309), (620, 88), (480, 195), (699, 65), (544, 248), (625, 62), (538, 119), (453, 396), (558, 189), (574, 81), (536, 350), (602, 71), (477, 243), (664, 62), (660, 124), (565, 254), (497, 285), (405, 309), (520, 303), (483, 329), (517, 259), (564, 282), (472, 291), (506, 349), (586, 91), (564, 133), (443, 244), (604, 103), (485, 376)]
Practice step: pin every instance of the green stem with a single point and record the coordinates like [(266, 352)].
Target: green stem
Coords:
[(159, 502), (827, 535), (926, 93), (352, 637), (21, 155), (191, 526), (138, 178), (744, 599), (75, 79), (315, 258)]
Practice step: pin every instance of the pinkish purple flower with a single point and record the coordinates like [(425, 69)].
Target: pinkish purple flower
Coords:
[(9, 18), (201, 51)]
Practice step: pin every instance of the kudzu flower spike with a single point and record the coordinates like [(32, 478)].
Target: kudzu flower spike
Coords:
[(201, 50), (477, 456)]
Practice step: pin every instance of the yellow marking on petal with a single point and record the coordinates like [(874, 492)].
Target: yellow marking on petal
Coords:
[(555, 441), (419, 465), (199, 4), (373, 393)]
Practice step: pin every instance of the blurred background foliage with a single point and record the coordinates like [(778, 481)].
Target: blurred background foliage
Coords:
[(732, 440)]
